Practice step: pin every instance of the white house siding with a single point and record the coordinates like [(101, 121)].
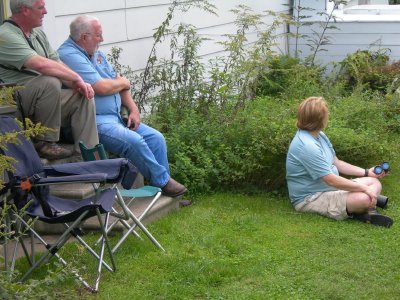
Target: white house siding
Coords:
[(130, 24), (355, 32)]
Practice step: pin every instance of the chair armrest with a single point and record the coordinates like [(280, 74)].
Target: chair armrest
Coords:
[(87, 178), (117, 170)]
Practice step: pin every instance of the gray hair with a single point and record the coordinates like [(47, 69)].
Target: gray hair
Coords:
[(80, 25), (16, 5)]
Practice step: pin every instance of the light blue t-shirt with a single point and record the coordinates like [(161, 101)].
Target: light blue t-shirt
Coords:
[(93, 69), (308, 160)]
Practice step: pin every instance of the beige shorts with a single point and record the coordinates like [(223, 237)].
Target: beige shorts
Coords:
[(329, 204)]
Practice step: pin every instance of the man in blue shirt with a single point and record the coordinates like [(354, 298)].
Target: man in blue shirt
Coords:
[(143, 145), (312, 173)]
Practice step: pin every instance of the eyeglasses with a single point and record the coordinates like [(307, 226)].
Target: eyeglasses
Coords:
[(98, 35)]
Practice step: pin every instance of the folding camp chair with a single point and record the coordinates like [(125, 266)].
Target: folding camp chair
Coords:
[(27, 197), (98, 153)]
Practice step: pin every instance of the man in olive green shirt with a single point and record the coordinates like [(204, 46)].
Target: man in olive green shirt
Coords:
[(26, 58)]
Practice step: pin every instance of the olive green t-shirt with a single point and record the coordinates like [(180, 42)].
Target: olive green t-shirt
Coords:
[(15, 51)]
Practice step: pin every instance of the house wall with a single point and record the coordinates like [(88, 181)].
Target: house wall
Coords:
[(377, 29), (130, 24)]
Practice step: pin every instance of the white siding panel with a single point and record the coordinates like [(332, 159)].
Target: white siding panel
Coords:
[(71, 7), (357, 27), (383, 39), (353, 36), (337, 53), (140, 3), (113, 32), (130, 24), (142, 21)]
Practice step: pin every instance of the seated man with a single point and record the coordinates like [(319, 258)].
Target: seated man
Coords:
[(143, 145), (312, 173), (26, 58)]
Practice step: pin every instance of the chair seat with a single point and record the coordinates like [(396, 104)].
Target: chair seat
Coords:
[(68, 210), (142, 192)]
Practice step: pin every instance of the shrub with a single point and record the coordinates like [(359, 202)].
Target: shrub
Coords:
[(368, 69)]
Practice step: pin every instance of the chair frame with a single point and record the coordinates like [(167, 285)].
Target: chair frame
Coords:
[(32, 179), (98, 153)]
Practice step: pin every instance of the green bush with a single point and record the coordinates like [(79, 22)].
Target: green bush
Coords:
[(223, 150), (228, 124), (368, 70)]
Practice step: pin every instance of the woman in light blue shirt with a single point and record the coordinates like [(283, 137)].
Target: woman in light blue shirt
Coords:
[(313, 173)]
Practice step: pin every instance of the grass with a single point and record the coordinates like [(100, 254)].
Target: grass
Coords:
[(235, 246), (238, 246)]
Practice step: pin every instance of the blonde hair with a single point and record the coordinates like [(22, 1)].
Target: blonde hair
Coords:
[(313, 114)]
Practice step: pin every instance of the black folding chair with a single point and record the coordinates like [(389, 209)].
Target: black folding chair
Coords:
[(27, 197)]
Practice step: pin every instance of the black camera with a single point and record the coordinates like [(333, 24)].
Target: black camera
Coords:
[(384, 167)]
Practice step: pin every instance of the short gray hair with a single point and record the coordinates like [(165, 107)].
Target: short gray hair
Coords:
[(80, 25), (16, 5)]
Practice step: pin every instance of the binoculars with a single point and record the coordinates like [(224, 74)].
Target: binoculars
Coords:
[(384, 167)]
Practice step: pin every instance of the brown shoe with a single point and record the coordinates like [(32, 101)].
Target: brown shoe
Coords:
[(52, 151), (184, 203), (173, 189)]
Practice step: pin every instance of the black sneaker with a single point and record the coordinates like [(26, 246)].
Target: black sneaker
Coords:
[(374, 218)]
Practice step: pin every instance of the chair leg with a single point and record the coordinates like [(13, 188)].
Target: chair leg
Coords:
[(104, 243), (143, 228), (123, 222), (90, 249), (150, 206), (130, 215), (52, 251)]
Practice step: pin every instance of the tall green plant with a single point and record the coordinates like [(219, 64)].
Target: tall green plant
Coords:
[(6, 99), (318, 39), (9, 289)]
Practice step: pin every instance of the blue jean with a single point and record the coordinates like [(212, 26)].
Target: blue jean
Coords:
[(145, 148)]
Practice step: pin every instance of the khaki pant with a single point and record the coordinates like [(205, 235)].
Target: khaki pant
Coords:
[(44, 101), (329, 204)]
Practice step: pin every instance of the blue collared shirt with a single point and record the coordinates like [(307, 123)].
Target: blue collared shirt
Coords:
[(93, 69)]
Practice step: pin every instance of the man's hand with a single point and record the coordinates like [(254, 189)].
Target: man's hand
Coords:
[(133, 120), (125, 83), (84, 88)]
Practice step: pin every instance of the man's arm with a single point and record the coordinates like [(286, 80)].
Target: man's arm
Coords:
[(107, 86), (121, 85), (53, 68)]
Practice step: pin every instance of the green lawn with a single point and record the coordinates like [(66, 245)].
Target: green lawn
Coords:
[(236, 246), (230, 246)]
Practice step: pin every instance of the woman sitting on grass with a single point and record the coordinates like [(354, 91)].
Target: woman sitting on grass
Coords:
[(312, 173)]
